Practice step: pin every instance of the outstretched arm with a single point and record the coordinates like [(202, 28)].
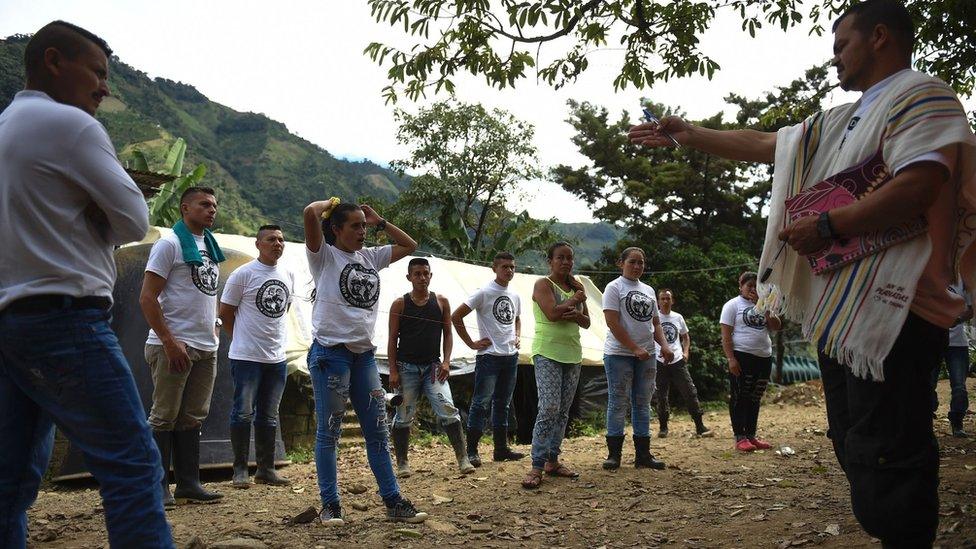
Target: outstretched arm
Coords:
[(747, 145)]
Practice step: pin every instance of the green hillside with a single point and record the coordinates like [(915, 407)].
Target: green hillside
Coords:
[(263, 173)]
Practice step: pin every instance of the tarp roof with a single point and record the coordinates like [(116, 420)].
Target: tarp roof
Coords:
[(455, 280)]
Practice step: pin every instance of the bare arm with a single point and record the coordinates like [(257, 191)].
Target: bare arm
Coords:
[(729, 351), (773, 322), (686, 345), (518, 331), (457, 318), (391, 345), (666, 353), (152, 286), (448, 343), (312, 219), (403, 245), (227, 314), (542, 294), (746, 145), (583, 316)]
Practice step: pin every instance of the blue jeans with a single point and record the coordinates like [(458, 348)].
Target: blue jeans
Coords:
[(957, 363), (338, 374), (66, 368), (257, 386), (630, 386), (415, 378), (556, 384), (494, 383)]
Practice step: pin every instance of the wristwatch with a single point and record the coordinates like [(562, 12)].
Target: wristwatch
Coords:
[(381, 226), (824, 230), (219, 323)]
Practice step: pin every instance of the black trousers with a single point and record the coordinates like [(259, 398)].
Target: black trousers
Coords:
[(675, 374), (746, 391), (883, 437)]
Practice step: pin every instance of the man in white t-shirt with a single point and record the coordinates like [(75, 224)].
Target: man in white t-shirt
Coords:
[(253, 310), (179, 301), (65, 203), (500, 326), (676, 371)]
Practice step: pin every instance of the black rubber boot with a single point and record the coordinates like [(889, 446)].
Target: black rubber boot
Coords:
[(502, 451), (401, 443), (456, 435), (644, 459), (240, 443), (662, 419), (955, 420), (615, 447), (186, 465), (700, 428), (473, 438), (264, 453), (164, 441)]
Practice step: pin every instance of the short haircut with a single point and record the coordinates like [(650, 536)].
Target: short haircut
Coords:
[(890, 13), (668, 290), (417, 261), (502, 256), (195, 190), (268, 228), (747, 277), (68, 39)]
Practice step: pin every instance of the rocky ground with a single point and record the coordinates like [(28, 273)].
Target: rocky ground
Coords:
[(707, 497)]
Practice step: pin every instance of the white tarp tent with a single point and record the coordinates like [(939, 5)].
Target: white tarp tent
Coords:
[(454, 279)]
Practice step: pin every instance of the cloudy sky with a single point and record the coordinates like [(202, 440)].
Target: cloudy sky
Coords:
[(301, 63)]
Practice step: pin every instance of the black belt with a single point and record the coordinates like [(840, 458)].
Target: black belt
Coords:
[(38, 304)]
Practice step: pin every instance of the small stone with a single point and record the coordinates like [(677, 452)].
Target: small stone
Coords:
[(195, 543), (442, 499), (408, 533), (359, 506), (441, 527), (305, 517), (480, 528), (239, 543), (833, 529), (47, 534), (357, 489)]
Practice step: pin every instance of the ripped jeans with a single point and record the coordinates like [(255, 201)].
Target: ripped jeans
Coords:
[(415, 378), (630, 386), (337, 374)]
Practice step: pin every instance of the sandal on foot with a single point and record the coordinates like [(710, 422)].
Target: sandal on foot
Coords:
[(532, 479), (559, 470)]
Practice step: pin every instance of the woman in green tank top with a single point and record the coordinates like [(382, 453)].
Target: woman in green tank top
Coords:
[(559, 309)]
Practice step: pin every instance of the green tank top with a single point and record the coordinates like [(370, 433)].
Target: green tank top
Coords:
[(560, 340)]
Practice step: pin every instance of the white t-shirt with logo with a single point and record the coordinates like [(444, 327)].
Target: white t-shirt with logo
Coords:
[(673, 325), (347, 292), (189, 299), (749, 333), (262, 294), (497, 308), (637, 305)]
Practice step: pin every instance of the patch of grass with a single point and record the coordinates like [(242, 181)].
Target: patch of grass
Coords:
[(592, 425), (426, 439), (301, 454)]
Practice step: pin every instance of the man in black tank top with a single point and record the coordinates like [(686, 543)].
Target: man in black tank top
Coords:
[(418, 320)]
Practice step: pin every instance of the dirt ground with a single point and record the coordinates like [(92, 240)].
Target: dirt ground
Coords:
[(707, 497)]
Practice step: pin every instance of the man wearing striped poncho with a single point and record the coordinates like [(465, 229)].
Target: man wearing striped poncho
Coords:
[(880, 322)]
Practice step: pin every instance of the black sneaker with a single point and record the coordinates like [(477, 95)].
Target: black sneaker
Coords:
[(331, 515), (404, 511)]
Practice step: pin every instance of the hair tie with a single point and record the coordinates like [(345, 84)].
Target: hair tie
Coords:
[(328, 209)]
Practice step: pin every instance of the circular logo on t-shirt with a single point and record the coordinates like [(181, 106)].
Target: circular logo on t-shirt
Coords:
[(639, 305), (360, 287), (670, 331), (205, 276), (504, 310), (753, 318), (272, 298)]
